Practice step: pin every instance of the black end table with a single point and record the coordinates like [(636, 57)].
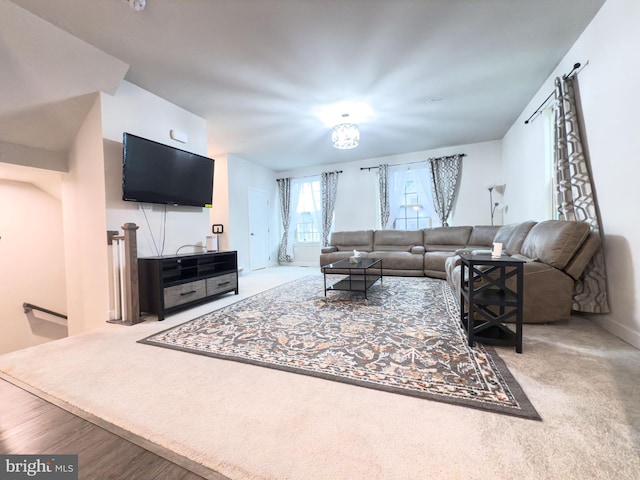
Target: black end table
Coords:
[(486, 302)]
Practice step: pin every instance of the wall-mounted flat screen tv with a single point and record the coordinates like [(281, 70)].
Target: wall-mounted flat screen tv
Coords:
[(157, 173)]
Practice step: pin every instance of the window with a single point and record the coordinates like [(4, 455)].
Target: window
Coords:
[(308, 215), (410, 202), (412, 215), (306, 230)]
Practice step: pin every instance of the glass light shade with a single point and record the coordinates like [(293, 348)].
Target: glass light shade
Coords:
[(345, 136), (138, 5)]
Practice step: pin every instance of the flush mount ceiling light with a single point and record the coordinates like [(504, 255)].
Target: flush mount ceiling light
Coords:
[(345, 135), (343, 118), (138, 5)]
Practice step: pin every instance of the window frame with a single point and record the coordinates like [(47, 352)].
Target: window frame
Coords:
[(412, 189), (306, 200), (416, 178)]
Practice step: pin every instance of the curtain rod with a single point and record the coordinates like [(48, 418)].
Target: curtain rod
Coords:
[(413, 163), (309, 176), (576, 66)]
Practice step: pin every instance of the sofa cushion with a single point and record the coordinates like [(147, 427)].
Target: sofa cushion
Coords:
[(519, 256), (398, 260), (361, 240), (435, 261), (483, 235), (512, 236), (446, 236), (442, 248), (396, 240), (555, 242), (351, 248)]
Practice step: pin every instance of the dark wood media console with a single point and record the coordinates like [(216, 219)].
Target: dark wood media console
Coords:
[(172, 283)]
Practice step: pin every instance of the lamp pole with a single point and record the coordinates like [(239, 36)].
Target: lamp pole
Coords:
[(491, 206)]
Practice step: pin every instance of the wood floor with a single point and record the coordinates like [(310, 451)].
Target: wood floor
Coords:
[(31, 425)]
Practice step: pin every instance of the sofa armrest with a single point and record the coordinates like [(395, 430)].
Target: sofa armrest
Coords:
[(329, 249), (417, 249), (582, 258), (451, 263)]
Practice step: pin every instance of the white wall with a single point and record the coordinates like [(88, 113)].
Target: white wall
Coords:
[(137, 111), (356, 202), (481, 168), (84, 224), (33, 271), (243, 175), (219, 214), (608, 87), (78, 267)]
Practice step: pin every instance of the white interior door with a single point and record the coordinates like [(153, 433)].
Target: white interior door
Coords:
[(258, 229)]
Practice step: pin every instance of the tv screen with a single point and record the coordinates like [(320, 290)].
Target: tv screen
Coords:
[(157, 173)]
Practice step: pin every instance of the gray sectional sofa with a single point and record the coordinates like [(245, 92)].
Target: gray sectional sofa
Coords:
[(414, 253), (556, 253)]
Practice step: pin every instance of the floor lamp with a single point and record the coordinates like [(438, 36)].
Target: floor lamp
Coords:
[(492, 205)]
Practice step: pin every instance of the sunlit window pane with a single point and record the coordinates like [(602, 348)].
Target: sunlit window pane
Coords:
[(306, 229), (412, 214)]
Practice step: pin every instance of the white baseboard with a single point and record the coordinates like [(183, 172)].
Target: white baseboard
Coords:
[(303, 264), (621, 331)]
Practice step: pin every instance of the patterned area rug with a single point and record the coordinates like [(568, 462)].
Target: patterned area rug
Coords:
[(406, 339)]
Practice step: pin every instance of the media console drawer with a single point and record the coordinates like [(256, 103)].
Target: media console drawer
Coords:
[(223, 283), (185, 293), (176, 282)]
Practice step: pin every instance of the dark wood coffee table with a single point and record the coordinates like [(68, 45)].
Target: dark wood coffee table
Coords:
[(359, 276)]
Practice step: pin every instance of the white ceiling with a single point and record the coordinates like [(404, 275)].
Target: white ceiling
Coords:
[(435, 72)]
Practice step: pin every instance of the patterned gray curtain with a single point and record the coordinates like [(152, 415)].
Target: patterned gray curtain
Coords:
[(383, 189), (575, 198), (284, 188), (328, 192), (445, 174)]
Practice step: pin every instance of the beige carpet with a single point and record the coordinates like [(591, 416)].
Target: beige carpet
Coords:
[(249, 422)]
